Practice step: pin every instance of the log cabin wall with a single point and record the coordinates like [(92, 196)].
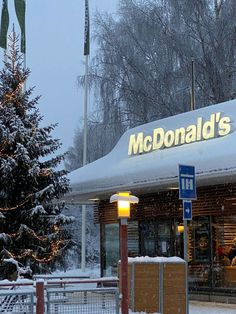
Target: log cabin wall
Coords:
[(218, 200)]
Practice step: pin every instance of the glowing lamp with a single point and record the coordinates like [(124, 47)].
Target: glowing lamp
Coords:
[(180, 228), (124, 199)]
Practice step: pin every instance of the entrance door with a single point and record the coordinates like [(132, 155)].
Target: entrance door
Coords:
[(164, 238), (157, 238)]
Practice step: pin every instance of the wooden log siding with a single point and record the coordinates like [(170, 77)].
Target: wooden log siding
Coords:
[(218, 200), (133, 238)]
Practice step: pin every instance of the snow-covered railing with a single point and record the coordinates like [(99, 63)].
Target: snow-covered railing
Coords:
[(69, 293), (5, 283), (97, 295), (90, 296), (17, 296), (102, 282), (112, 282), (62, 277), (17, 300), (83, 300)]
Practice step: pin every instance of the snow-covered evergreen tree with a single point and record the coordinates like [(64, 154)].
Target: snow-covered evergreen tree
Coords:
[(73, 256), (31, 222)]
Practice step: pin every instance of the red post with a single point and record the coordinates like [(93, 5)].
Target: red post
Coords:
[(124, 266), (40, 297)]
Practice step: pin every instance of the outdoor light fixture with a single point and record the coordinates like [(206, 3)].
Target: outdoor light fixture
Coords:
[(180, 228), (124, 199), (173, 188)]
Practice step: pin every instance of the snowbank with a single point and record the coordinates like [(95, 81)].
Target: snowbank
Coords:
[(158, 259)]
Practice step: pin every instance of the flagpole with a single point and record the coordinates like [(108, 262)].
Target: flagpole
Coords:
[(24, 47), (20, 8), (192, 85), (86, 54), (83, 231)]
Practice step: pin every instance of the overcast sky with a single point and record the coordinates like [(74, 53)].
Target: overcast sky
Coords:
[(54, 34)]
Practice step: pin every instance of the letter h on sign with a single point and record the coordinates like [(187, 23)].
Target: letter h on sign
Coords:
[(187, 182)]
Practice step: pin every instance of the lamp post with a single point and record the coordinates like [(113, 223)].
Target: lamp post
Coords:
[(124, 199)]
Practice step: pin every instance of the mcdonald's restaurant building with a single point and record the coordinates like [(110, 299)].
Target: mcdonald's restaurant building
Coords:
[(145, 161)]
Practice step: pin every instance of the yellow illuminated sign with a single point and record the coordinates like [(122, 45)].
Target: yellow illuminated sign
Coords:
[(216, 126)]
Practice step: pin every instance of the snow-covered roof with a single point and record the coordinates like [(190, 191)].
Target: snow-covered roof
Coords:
[(214, 158)]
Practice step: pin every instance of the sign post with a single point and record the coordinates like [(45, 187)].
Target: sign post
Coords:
[(187, 192), (187, 210)]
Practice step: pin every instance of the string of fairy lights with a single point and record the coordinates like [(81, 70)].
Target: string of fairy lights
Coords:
[(6, 209), (44, 172), (56, 247)]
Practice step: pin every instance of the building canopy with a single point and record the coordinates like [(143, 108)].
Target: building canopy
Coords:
[(146, 158)]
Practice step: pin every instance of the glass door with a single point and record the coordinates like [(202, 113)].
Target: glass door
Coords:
[(148, 238), (164, 238), (157, 238)]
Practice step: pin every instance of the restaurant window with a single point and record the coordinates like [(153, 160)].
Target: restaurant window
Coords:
[(156, 238), (111, 254), (200, 252), (111, 249), (225, 251), (212, 252), (202, 241)]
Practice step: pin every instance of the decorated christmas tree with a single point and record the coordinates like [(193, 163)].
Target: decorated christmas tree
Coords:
[(31, 186)]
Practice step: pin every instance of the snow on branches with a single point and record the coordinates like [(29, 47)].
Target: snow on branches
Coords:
[(31, 229)]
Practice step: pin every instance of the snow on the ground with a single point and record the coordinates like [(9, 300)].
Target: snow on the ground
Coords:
[(93, 272), (197, 307)]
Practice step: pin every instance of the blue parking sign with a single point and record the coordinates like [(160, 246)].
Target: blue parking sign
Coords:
[(187, 183), (187, 210)]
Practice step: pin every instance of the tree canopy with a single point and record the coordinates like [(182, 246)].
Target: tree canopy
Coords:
[(142, 68)]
